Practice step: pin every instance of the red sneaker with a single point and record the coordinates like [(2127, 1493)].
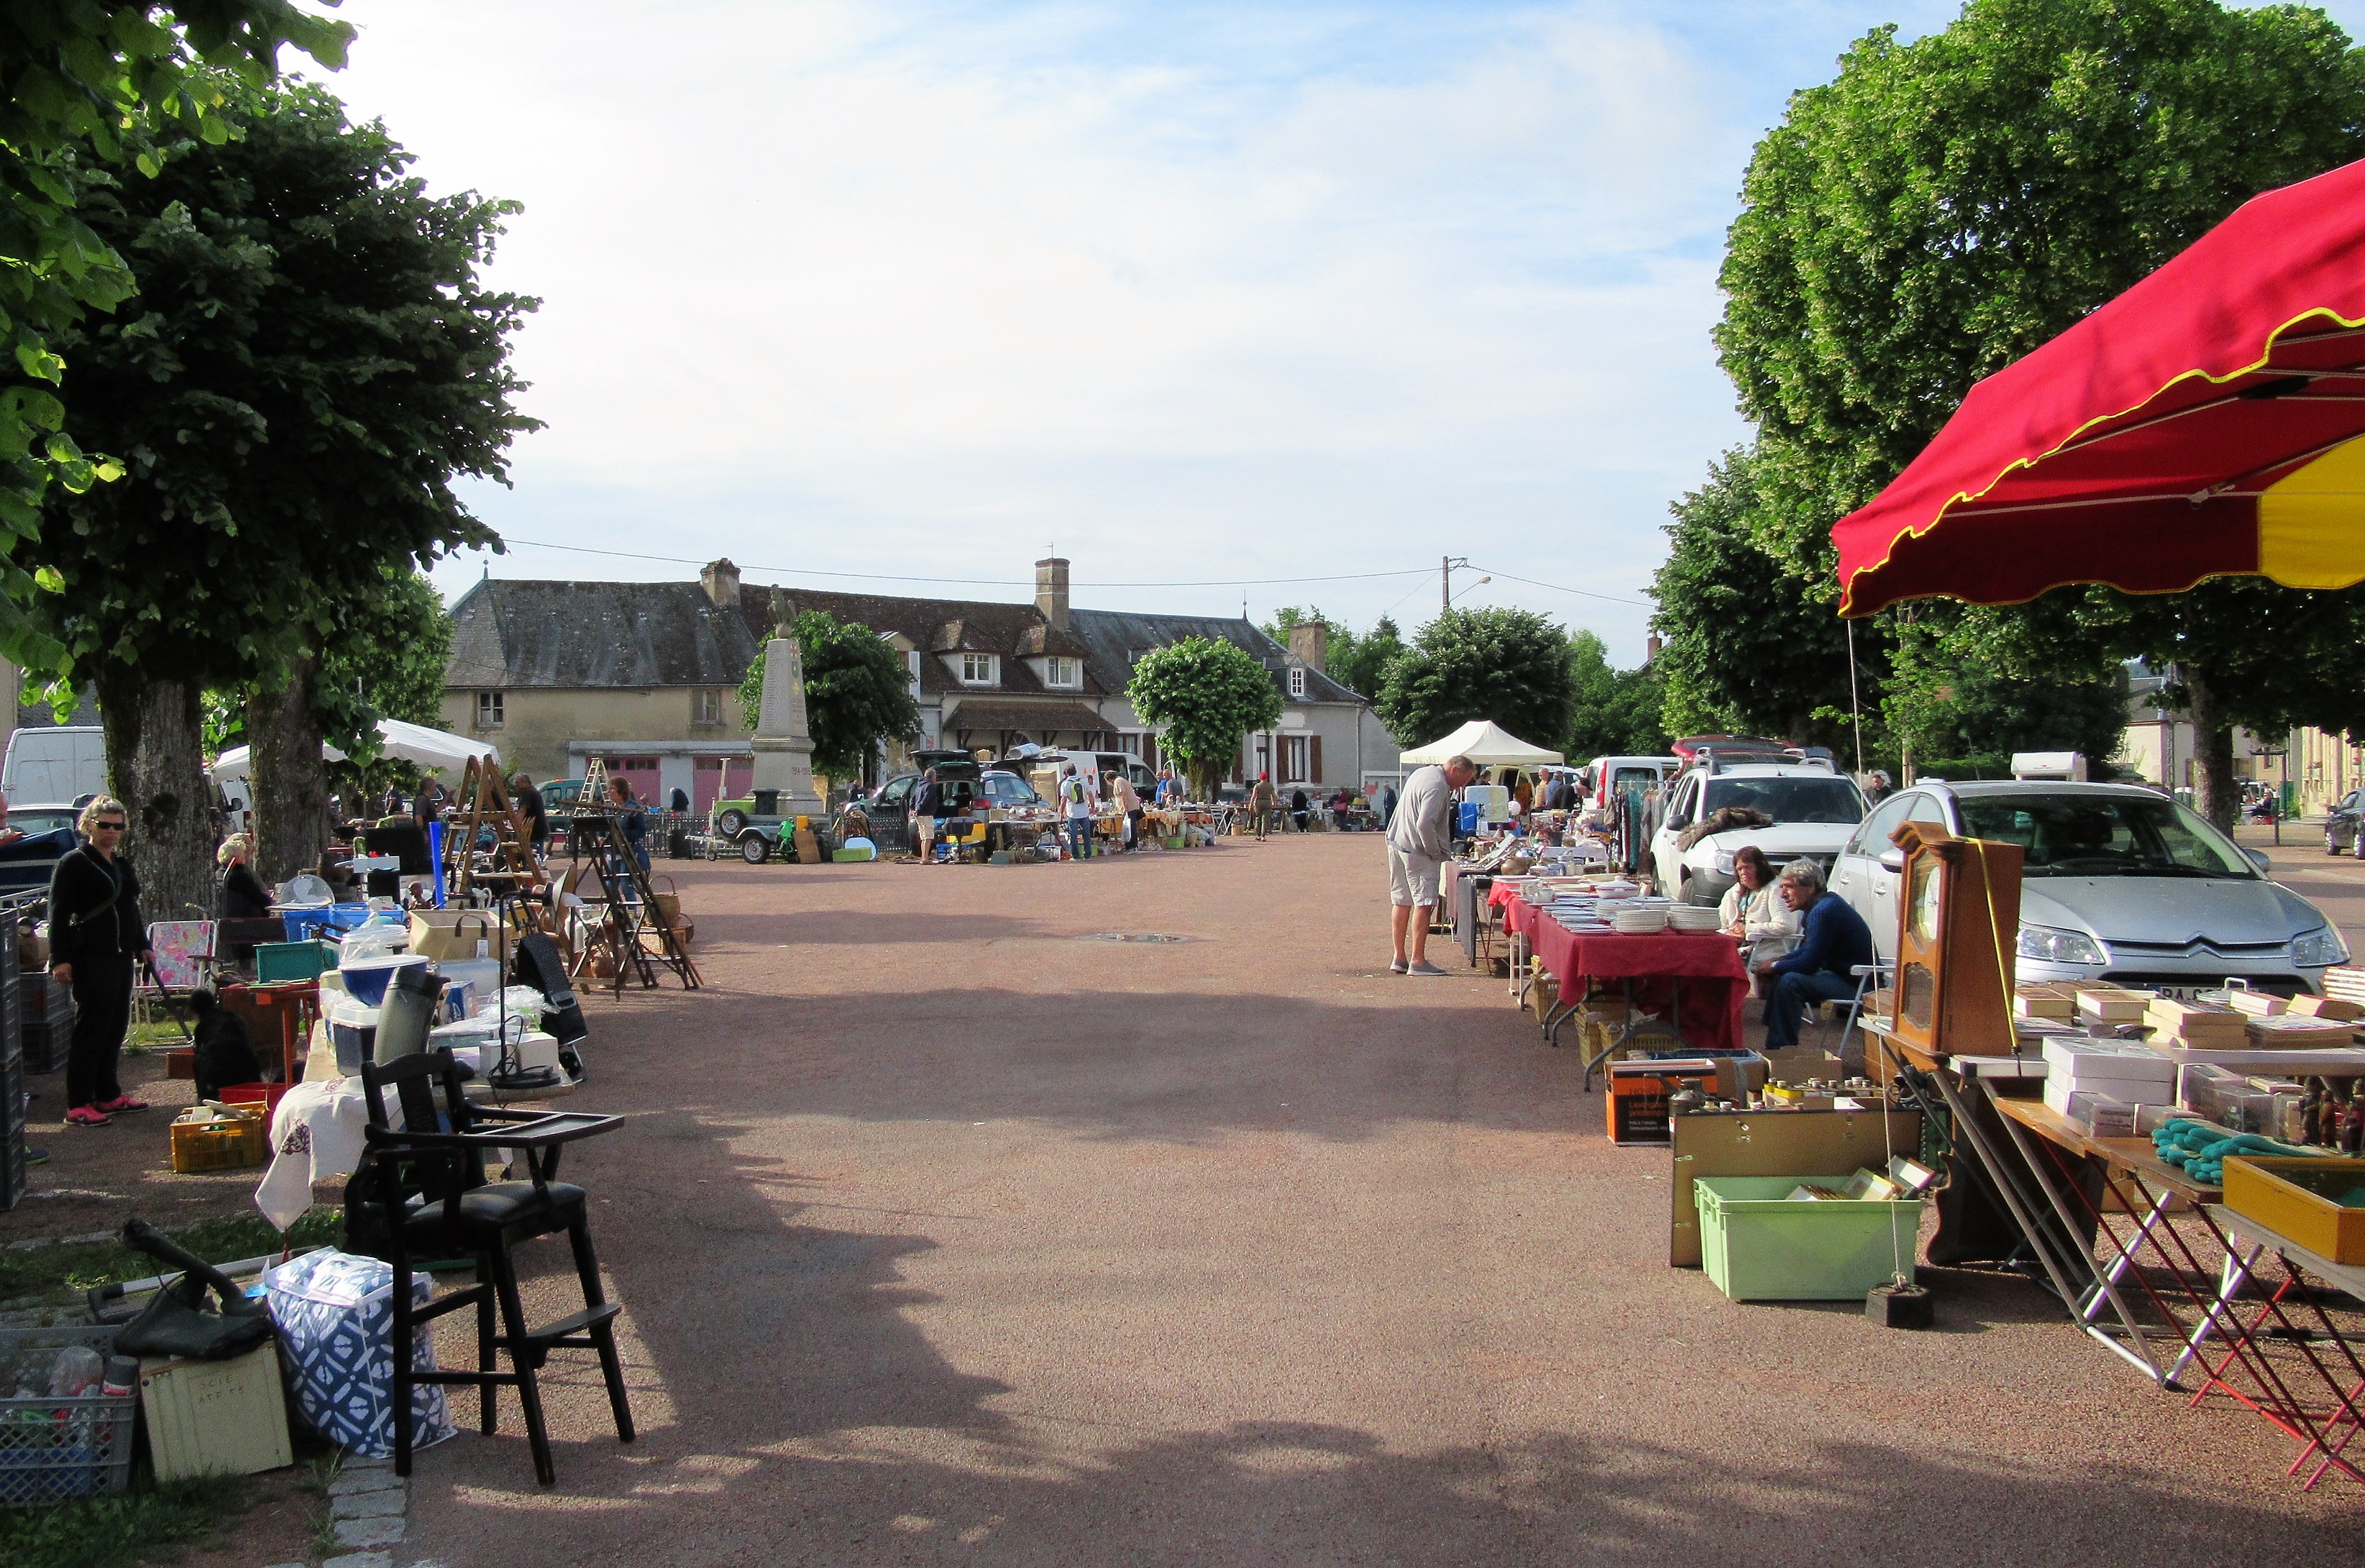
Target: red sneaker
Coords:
[(84, 1116), (121, 1104)]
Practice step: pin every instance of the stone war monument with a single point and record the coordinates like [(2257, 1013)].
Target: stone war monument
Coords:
[(783, 745)]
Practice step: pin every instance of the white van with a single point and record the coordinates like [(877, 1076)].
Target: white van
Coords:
[(54, 763)]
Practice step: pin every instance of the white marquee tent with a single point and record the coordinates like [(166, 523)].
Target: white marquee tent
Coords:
[(437, 749), (1485, 742)]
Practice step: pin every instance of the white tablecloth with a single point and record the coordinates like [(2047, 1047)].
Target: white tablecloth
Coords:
[(315, 1136)]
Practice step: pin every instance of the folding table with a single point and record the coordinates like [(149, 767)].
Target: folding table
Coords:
[(1695, 979)]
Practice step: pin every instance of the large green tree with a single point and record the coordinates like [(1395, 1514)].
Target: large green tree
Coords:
[(1508, 665), (1205, 694), (858, 692), (88, 83), (311, 364), (1945, 205), (1963, 705), (1362, 669), (1616, 711)]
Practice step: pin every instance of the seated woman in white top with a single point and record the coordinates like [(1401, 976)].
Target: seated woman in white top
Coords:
[(1754, 910)]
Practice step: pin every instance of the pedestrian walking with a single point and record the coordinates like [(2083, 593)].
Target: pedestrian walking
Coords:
[(96, 937), (1263, 804), (1421, 835), (1078, 806), (927, 806)]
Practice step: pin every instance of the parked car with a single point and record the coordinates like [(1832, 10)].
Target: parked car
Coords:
[(2341, 824), (2119, 884), (55, 762), (26, 864), (1812, 812), (1604, 779), (890, 810)]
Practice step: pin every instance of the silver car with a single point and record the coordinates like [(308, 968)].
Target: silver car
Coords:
[(2119, 884)]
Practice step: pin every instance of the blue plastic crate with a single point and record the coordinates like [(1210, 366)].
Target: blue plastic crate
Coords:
[(324, 919)]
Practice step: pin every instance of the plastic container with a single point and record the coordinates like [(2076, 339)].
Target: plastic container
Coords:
[(352, 1031), (307, 921), (52, 1450), (366, 978), (1759, 1244), (482, 976), (292, 960), (409, 1013)]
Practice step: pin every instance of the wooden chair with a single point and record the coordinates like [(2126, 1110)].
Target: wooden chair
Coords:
[(421, 1193)]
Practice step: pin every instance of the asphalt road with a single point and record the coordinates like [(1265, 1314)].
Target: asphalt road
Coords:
[(947, 1234)]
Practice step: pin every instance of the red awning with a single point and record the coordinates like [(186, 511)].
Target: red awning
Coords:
[(2204, 423)]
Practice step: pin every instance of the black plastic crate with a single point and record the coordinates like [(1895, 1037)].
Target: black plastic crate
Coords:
[(45, 1043), (12, 1134)]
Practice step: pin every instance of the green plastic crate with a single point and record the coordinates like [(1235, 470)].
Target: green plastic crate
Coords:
[(293, 960), (1759, 1246)]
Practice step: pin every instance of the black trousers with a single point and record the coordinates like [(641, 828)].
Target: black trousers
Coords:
[(102, 993)]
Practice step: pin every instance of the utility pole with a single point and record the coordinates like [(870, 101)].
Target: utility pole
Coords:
[(1444, 582)]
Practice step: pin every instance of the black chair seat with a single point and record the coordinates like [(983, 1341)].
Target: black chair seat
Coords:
[(502, 1206)]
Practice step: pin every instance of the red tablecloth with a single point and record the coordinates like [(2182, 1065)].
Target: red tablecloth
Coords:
[(1505, 892), (1715, 980)]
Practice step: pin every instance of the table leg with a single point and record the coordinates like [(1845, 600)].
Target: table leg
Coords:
[(2102, 1283), (2230, 1280)]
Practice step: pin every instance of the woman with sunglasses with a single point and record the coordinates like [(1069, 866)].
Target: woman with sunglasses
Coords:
[(95, 939)]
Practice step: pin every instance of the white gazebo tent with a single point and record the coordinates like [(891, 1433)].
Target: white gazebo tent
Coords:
[(439, 750), (1485, 742)]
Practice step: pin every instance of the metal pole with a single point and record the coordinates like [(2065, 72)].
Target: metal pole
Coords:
[(1445, 582)]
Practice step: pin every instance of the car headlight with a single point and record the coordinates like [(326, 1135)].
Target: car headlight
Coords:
[(1724, 862), (2321, 946), (2056, 946)]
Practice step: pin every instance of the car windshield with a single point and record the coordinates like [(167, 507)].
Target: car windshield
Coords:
[(1825, 800), (2105, 835), (40, 821)]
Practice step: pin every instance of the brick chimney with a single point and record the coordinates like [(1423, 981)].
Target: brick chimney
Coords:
[(721, 581), (1651, 649), (1051, 591), (1310, 641)]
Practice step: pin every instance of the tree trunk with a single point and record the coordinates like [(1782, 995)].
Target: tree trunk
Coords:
[(2215, 794), (291, 782), (155, 765)]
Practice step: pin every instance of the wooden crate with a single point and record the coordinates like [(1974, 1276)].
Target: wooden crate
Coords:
[(2301, 1198)]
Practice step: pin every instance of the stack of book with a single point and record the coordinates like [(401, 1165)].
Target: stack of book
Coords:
[(2198, 1025)]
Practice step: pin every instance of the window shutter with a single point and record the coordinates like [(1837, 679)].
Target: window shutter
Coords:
[(1150, 752), (1314, 759)]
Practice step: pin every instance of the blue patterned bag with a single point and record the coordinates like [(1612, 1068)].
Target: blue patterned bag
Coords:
[(335, 1312)]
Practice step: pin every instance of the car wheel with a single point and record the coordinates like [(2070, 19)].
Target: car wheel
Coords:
[(754, 850), (2331, 844), (732, 822)]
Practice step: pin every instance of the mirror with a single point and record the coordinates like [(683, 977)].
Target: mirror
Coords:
[(2258, 859), (1892, 861)]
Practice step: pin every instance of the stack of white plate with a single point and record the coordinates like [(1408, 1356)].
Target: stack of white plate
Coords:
[(1640, 921), (1692, 917)]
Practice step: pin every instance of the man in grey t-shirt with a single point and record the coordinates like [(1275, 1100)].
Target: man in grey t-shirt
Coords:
[(1420, 837)]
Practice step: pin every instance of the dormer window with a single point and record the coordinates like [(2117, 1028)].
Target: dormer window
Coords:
[(977, 669), (1064, 673), (1297, 680)]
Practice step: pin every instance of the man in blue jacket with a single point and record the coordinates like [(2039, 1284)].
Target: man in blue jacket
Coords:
[(1822, 967)]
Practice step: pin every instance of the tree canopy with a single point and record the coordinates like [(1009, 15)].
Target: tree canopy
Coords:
[(1508, 665), (310, 364), (1938, 210), (1616, 711), (1207, 694), (858, 692), (92, 83)]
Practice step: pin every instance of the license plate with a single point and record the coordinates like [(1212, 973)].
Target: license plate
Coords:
[(2179, 993)]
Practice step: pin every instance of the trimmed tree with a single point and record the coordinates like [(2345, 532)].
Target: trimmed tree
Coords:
[(1617, 711), (1205, 694), (310, 366), (1509, 666), (858, 692)]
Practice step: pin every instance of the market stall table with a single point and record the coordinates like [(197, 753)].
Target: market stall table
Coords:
[(1695, 977)]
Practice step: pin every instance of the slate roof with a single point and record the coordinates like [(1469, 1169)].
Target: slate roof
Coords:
[(524, 634), (1118, 639), (514, 633)]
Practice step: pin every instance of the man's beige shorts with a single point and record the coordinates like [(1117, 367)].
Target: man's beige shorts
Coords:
[(1412, 879)]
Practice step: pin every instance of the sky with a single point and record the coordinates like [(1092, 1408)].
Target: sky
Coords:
[(1207, 299)]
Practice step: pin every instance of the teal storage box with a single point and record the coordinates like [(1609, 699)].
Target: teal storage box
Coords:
[(293, 960), (1758, 1245)]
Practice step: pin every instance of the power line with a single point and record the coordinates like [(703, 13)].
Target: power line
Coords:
[(1581, 593), (972, 582)]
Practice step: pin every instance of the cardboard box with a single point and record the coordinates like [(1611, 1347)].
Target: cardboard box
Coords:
[(441, 933), (216, 1417)]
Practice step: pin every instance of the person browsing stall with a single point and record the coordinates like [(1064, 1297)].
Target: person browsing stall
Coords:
[(928, 808), (1129, 803), (534, 809), (1076, 805), (1419, 838), (1834, 939), (96, 937), (243, 896)]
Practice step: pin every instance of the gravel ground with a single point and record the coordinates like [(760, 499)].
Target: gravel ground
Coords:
[(945, 1235)]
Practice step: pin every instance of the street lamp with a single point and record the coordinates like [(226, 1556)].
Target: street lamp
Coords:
[(1450, 565)]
